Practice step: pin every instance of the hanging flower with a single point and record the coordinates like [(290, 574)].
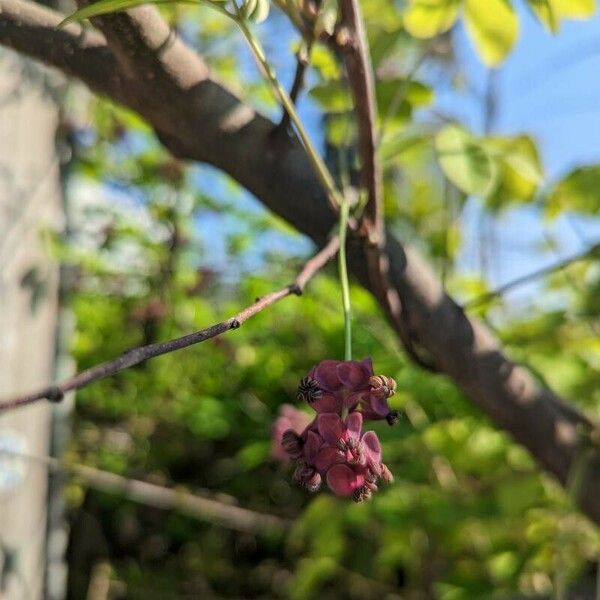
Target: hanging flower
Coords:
[(333, 448)]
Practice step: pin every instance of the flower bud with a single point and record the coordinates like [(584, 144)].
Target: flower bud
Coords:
[(382, 385), (309, 390), (292, 443), (386, 474), (362, 494), (308, 477), (393, 417)]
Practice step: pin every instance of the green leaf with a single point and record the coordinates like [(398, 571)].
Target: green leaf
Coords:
[(394, 145), (545, 13), (578, 191), (550, 12), (396, 99), (428, 18), (465, 162), (104, 7), (573, 9), (520, 170), (332, 96), (254, 454), (323, 61), (493, 27)]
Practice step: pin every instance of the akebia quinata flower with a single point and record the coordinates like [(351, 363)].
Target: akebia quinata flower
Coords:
[(333, 448)]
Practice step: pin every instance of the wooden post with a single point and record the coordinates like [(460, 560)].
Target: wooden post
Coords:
[(30, 207)]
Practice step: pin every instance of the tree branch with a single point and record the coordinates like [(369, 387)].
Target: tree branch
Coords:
[(204, 509), (205, 121), (352, 41), (55, 393), (557, 266), (31, 29), (302, 62)]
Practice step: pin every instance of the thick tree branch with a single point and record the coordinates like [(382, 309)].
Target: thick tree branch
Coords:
[(55, 393), (205, 121), (31, 29)]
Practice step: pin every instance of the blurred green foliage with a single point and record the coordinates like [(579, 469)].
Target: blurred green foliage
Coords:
[(469, 515)]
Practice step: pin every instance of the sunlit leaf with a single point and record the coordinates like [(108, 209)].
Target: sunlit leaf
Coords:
[(332, 96), (493, 27), (573, 9), (323, 61), (520, 170), (579, 191), (545, 13), (550, 12), (102, 7), (427, 18), (394, 145), (465, 162)]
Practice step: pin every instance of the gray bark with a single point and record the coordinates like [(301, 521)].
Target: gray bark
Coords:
[(30, 206)]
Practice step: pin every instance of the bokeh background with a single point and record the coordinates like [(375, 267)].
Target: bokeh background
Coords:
[(141, 248)]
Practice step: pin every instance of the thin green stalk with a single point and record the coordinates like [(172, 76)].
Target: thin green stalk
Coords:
[(335, 197), (321, 169), (343, 271)]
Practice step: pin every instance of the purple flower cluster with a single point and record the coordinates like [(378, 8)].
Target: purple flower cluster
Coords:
[(333, 447)]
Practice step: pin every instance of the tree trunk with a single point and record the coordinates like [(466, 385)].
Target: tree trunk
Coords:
[(30, 207)]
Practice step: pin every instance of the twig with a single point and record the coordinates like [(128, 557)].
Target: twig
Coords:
[(352, 41), (164, 498), (302, 62), (333, 194), (557, 266), (135, 356)]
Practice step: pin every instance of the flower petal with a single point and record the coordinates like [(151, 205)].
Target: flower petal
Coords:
[(353, 374), (312, 446), (367, 363), (327, 457), (331, 428), (326, 374), (379, 405), (327, 403), (372, 447), (342, 480), (354, 423)]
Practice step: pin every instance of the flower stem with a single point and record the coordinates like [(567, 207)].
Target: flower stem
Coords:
[(343, 271), (334, 196), (336, 199)]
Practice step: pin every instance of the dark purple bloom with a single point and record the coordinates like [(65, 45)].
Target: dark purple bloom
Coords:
[(331, 448)]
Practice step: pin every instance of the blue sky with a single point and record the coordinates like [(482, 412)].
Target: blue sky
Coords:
[(548, 88)]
